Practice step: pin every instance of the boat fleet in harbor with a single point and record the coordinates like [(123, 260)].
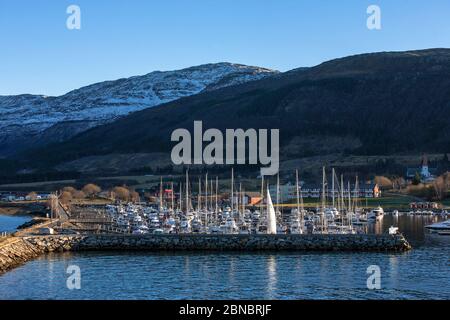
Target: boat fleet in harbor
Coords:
[(343, 216), (138, 219)]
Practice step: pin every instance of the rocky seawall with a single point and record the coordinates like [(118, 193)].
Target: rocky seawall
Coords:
[(238, 242), (21, 249), (15, 251)]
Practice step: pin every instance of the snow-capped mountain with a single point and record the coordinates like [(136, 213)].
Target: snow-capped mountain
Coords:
[(28, 120)]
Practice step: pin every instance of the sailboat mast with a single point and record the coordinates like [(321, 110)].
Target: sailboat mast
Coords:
[(323, 189), (232, 189), (243, 202), (299, 215), (349, 203), (240, 201), (332, 187), (199, 199), (172, 197), (206, 192), (211, 192), (302, 206), (349, 197), (217, 188), (356, 196), (181, 196), (262, 195), (267, 204), (324, 216), (342, 192), (187, 190), (160, 194), (278, 192)]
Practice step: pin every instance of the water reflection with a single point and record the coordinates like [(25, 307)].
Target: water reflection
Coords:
[(271, 277), (393, 270), (187, 264), (232, 270), (50, 271)]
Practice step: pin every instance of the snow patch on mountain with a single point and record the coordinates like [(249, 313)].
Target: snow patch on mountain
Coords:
[(26, 116)]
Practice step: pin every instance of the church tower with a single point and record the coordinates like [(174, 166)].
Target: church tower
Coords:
[(425, 173)]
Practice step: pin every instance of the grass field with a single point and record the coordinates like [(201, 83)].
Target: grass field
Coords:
[(446, 203), (390, 201), (139, 181)]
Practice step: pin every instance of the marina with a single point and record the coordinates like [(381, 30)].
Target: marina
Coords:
[(204, 225), (201, 217), (417, 274), (209, 211)]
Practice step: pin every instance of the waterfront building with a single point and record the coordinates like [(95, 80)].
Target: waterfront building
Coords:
[(426, 173), (288, 191), (424, 205), (249, 198)]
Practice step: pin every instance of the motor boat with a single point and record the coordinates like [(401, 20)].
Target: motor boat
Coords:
[(439, 226), (296, 229), (215, 229), (142, 229), (331, 213), (262, 229), (229, 226), (196, 225), (169, 229), (376, 214), (158, 231), (243, 229), (393, 230)]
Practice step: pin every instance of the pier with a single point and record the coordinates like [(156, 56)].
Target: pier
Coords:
[(18, 250), (230, 242)]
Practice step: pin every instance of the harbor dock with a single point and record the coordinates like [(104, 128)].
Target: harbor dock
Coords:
[(18, 250)]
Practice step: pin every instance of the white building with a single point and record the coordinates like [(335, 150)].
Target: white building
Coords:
[(288, 192)]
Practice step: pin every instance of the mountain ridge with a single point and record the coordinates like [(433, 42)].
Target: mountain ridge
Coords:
[(372, 104), (25, 118)]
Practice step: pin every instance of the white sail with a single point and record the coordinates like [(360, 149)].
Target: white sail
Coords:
[(271, 218)]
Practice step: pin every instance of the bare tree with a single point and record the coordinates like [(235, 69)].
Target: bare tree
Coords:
[(134, 196), (383, 182), (398, 183), (65, 197), (91, 190), (32, 196), (440, 187), (78, 194), (121, 193), (69, 189), (447, 180)]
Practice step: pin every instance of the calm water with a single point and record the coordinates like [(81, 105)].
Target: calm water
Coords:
[(423, 273), (10, 223)]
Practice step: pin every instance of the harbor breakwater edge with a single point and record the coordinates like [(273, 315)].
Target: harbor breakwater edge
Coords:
[(18, 250)]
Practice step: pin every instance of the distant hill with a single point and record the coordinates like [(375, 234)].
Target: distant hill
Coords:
[(33, 120), (371, 104)]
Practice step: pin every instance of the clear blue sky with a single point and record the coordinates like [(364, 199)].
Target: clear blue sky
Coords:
[(117, 39)]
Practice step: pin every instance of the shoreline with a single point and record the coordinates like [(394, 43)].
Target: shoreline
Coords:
[(33, 209), (27, 221)]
